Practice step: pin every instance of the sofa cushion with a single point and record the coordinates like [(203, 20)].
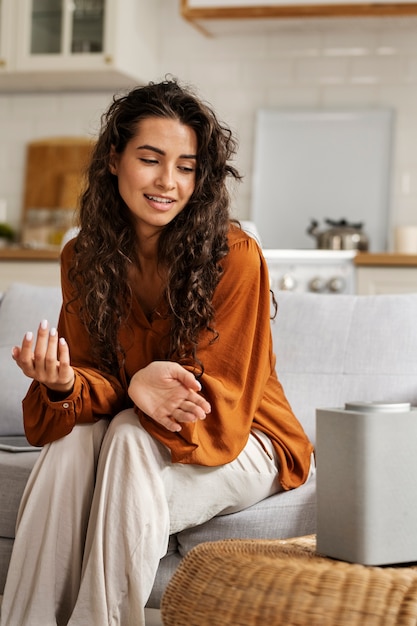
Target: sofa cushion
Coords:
[(22, 308), (285, 514), (15, 468), (333, 349)]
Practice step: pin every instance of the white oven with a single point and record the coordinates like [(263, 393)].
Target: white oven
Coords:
[(318, 271)]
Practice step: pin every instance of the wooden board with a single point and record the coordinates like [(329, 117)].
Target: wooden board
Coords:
[(55, 178), (55, 171)]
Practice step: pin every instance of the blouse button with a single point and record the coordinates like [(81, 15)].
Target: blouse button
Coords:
[(65, 405)]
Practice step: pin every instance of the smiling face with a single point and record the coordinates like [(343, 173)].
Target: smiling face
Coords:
[(156, 172)]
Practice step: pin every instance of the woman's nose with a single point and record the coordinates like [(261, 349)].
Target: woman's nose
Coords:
[(166, 178)]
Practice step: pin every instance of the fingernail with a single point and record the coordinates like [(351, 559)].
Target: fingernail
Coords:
[(62, 341), (53, 332), (44, 324), (29, 335)]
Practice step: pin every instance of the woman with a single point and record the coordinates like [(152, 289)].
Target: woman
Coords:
[(156, 399)]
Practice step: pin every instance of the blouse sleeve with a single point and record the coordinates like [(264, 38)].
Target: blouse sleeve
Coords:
[(94, 395)]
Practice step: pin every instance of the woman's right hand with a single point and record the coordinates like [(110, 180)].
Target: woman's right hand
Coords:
[(48, 362), (169, 394)]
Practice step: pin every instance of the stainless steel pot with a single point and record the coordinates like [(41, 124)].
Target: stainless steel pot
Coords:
[(340, 236)]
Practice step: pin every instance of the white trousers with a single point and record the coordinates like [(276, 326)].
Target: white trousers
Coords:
[(96, 516)]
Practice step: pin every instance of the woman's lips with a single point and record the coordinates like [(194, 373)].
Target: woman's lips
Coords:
[(160, 202)]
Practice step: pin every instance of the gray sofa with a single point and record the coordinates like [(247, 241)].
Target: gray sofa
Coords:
[(330, 349)]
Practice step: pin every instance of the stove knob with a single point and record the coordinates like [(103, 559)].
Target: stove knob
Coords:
[(336, 284), (287, 283), (317, 284)]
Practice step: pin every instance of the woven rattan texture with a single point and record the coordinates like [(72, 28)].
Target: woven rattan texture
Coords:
[(285, 583)]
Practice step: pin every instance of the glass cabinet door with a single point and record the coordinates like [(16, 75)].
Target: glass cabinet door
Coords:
[(87, 26), (67, 26), (46, 27)]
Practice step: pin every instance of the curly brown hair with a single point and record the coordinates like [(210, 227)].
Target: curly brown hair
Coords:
[(190, 247)]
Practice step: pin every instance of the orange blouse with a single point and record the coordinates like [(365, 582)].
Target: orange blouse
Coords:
[(239, 379)]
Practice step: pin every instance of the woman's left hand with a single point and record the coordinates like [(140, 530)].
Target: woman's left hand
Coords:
[(168, 393)]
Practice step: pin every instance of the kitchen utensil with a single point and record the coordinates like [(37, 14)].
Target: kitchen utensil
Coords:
[(340, 236)]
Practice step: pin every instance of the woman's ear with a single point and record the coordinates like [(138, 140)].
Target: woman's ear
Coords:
[(113, 161)]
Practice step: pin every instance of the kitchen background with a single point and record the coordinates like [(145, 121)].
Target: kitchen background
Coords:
[(314, 63)]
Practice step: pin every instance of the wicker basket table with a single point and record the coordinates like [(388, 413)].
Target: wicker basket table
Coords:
[(285, 583)]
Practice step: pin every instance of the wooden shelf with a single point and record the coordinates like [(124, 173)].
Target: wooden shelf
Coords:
[(201, 16)]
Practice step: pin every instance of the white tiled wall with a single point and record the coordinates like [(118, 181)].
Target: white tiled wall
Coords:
[(27, 117), (368, 62)]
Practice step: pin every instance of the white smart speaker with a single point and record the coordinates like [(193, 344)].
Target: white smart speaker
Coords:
[(367, 483)]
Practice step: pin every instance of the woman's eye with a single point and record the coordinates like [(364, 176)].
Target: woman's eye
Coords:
[(149, 161), (186, 168)]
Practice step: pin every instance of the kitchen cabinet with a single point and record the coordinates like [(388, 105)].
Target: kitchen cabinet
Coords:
[(78, 44), (43, 273), (35, 267), (386, 273), (209, 16), (379, 280)]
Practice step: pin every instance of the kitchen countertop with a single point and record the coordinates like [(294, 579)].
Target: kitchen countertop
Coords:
[(385, 259), (18, 253)]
